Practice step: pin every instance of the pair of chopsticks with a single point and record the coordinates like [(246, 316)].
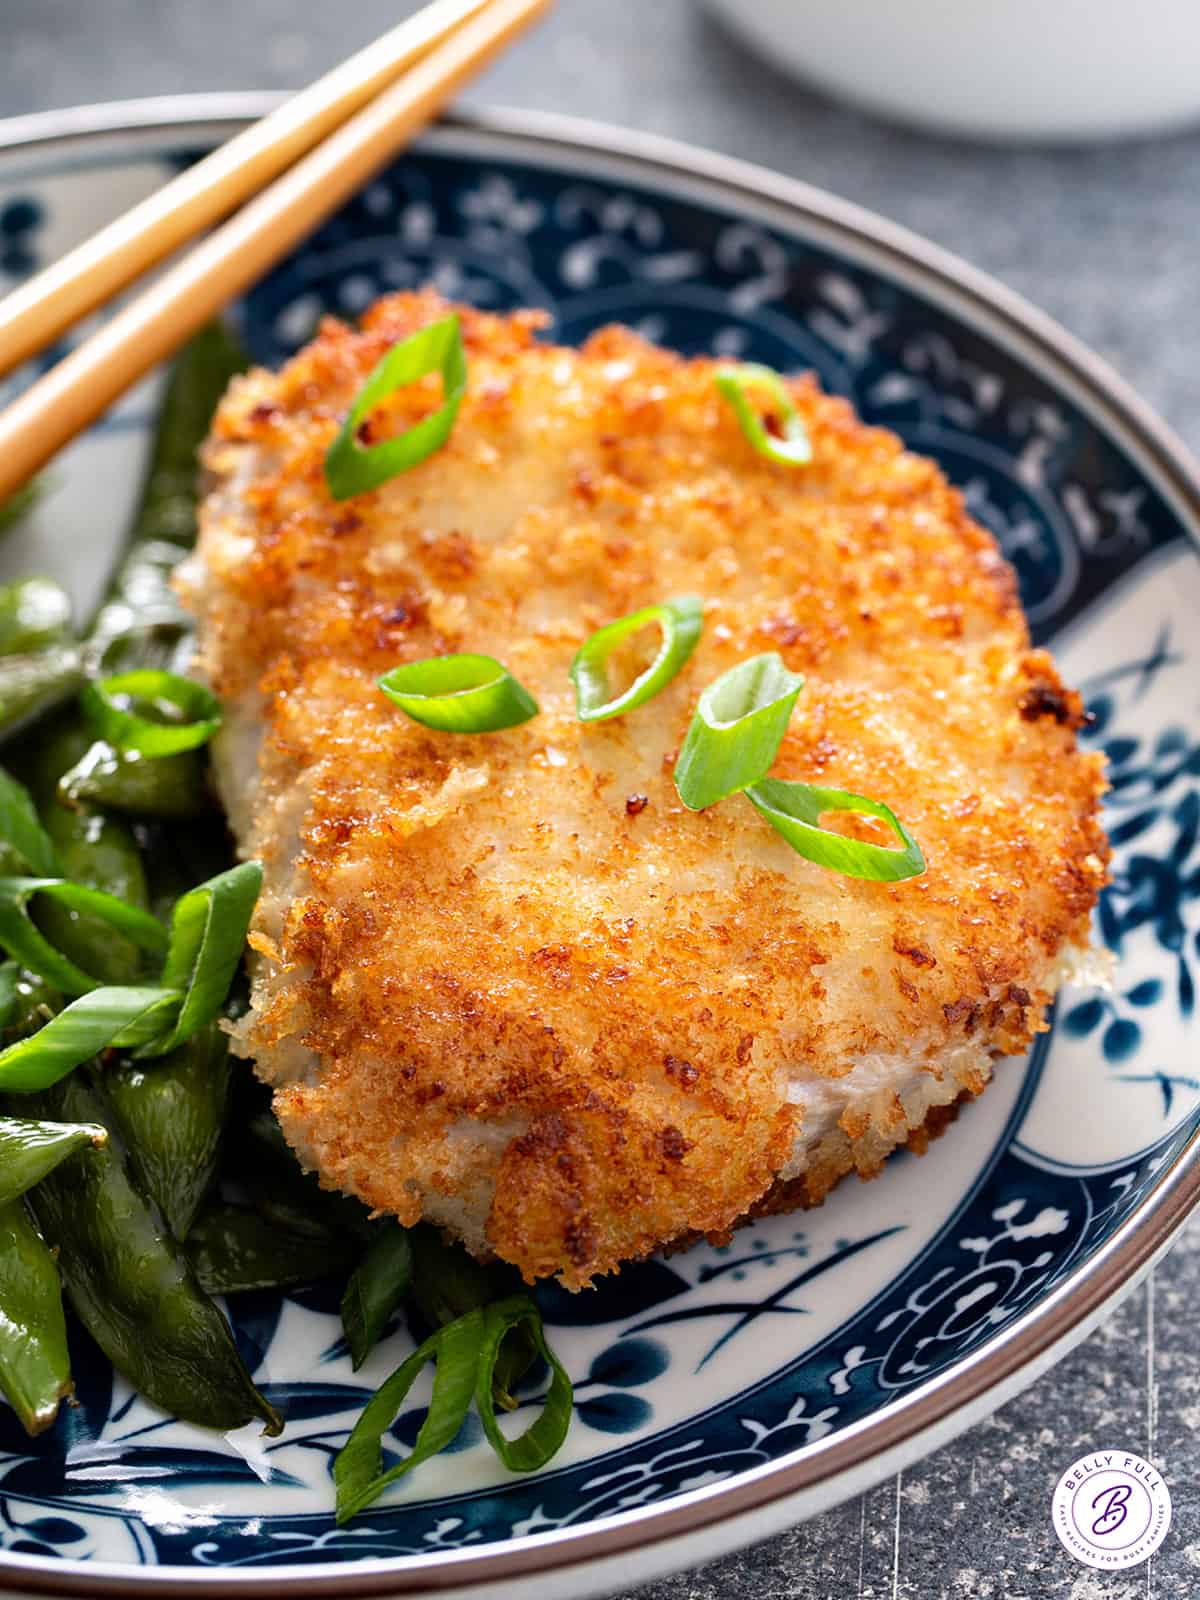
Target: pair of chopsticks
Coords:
[(319, 148)]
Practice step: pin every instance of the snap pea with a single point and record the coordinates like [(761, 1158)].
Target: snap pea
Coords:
[(33, 1002), (177, 859), (34, 613), (93, 848), (10, 973), (40, 665), (286, 1195), (378, 1287), (198, 378), (234, 1248), (32, 685), (174, 786), (171, 1112), (20, 502), (141, 623), (130, 1285), (99, 851), (30, 1149), (303, 1208), (35, 1368), (447, 1283)]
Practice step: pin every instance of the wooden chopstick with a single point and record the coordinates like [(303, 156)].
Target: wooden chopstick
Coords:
[(83, 384), (35, 313)]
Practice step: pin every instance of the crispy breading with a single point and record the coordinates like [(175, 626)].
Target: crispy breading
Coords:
[(507, 981)]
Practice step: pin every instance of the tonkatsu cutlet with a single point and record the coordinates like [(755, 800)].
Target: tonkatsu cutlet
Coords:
[(507, 981)]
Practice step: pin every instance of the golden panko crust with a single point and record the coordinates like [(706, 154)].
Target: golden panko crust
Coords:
[(508, 981)]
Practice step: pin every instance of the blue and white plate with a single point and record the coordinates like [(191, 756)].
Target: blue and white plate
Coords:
[(723, 1393)]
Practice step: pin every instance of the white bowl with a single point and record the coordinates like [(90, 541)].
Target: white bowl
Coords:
[(1062, 70)]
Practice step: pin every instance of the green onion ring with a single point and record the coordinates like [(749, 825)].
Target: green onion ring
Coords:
[(680, 622), (208, 936), (20, 937), (141, 735), (21, 830), (543, 1438), (794, 810), (352, 468), (794, 448), (459, 694), (739, 724), (357, 1468), (112, 1016)]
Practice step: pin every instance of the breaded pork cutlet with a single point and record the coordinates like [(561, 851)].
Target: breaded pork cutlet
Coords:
[(507, 981)]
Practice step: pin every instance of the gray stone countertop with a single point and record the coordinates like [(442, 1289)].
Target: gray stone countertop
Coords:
[(1105, 239)]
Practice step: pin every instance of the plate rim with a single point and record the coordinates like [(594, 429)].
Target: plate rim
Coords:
[(926, 1417)]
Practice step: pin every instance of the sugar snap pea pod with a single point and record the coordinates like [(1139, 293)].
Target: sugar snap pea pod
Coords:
[(141, 623), (30, 1149), (34, 613), (101, 852), (447, 1283), (40, 664), (35, 1368), (378, 1287), (10, 974), (286, 1195), (130, 1285), (22, 940), (92, 848), (39, 763), (234, 1248), (33, 685), (30, 1006), (303, 1208), (174, 786), (20, 503), (178, 858), (198, 378), (171, 1112)]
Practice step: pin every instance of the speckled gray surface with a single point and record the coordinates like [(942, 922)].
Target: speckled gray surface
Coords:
[(1104, 239)]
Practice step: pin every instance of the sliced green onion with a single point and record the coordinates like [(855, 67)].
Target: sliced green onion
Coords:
[(119, 1017), (129, 731), (21, 830), (352, 468), (542, 1439), (459, 694), (357, 1468), (736, 732), (793, 448), (680, 622), (22, 939), (377, 1287), (794, 810), (208, 936)]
